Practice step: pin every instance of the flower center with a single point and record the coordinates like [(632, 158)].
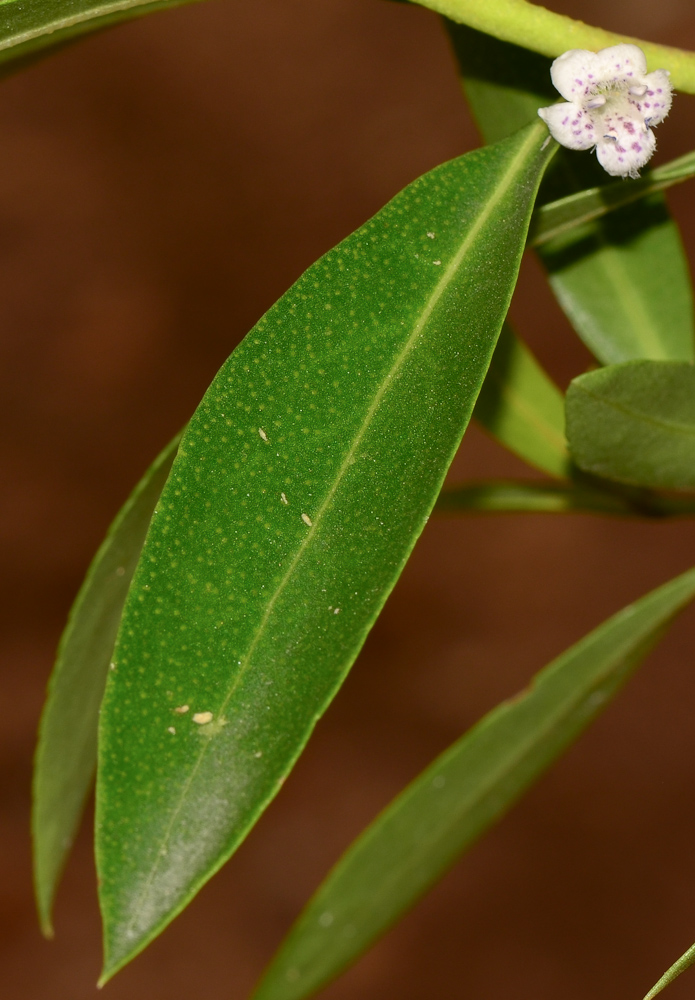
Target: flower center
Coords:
[(617, 109)]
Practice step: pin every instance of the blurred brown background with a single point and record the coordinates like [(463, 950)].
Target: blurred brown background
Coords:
[(160, 186)]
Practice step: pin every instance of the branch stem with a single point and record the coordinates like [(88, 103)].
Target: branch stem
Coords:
[(541, 30)]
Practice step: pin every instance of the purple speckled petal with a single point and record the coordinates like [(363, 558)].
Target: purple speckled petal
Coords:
[(656, 103), (571, 126), (619, 62), (624, 157), (575, 73)]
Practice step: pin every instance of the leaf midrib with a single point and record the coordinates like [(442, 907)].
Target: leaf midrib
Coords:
[(547, 431), (686, 430), (425, 315), (634, 306)]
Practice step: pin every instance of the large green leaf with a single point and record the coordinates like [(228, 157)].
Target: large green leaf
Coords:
[(635, 423), (423, 832), (27, 27), (299, 490), (522, 407), (622, 279), (551, 497), (67, 748)]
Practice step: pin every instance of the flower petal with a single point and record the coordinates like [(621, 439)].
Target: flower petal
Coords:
[(575, 73), (656, 103), (621, 62), (622, 158), (570, 125)]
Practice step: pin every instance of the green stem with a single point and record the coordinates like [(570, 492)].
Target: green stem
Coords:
[(533, 27), (683, 963), (558, 217), (547, 496)]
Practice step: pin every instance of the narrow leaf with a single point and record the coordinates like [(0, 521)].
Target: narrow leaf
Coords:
[(683, 963), (544, 497), (522, 407), (622, 279), (299, 490), (28, 27), (67, 749), (624, 283), (635, 423), (557, 217), (450, 805)]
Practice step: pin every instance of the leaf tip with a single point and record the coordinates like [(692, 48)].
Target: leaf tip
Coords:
[(106, 975), (46, 925), (656, 988), (44, 908), (111, 964)]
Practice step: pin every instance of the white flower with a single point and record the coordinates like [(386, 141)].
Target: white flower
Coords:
[(613, 102)]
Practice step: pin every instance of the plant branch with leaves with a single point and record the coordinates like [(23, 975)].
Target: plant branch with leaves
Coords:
[(238, 584)]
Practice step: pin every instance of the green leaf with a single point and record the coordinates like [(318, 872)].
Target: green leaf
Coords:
[(451, 804), (67, 748), (635, 423), (683, 963), (503, 84), (624, 283), (557, 217), (622, 279), (522, 407), (299, 490), (27, 27), (547, 497)]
